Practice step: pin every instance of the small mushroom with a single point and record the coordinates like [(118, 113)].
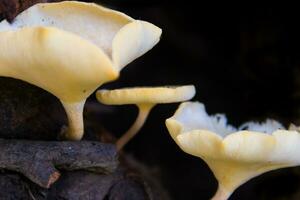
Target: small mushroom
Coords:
[(235, 155), (145, 98), (70, 49)]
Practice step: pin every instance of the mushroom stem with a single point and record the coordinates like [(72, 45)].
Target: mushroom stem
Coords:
[(75, 119), (144, 110), (221, 194)]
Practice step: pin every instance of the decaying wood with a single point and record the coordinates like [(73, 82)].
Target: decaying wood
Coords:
[(11, 8), (83, 185), (12, 186), (128, 189), (78, 185), (40, 161), (75, 185)]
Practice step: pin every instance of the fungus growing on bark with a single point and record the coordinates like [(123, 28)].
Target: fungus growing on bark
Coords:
[(235, 155), (145, 98), (70, 49)]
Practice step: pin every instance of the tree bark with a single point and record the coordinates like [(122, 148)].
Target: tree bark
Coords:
[(77, 185), (40, 161)]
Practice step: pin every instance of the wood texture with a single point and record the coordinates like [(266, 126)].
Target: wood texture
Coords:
[(40, 161)]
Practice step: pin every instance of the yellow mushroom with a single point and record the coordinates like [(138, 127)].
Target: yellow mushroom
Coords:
[(145, 98), (235, 155), (70, 49)]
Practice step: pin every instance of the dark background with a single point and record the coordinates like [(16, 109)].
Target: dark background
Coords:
[(244, 61)]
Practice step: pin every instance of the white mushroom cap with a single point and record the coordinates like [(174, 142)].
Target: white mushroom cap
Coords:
[(146, 95)]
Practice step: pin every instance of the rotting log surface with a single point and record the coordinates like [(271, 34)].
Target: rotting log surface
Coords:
[(76, 185), (40, 161)]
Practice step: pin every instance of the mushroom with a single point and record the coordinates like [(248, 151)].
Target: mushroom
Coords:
[(145, 98), (235, 155), (70, 49)]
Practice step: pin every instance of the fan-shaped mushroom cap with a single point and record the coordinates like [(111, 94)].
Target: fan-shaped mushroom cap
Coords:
[(70, 48), (146, 95), (57, 61)]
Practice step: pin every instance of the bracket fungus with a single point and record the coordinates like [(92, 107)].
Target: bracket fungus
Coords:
[(145, 98), (235, 155), (70, 49)]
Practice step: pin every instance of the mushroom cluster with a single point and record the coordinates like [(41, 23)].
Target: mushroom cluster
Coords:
[(71, 48)]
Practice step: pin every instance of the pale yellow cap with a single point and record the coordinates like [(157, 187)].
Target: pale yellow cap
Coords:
[(71, 48), (142, 95)]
